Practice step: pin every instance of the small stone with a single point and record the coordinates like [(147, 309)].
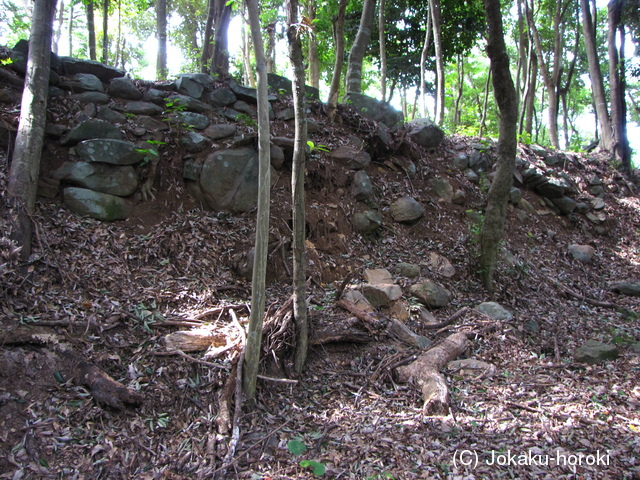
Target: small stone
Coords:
[(406, 210), (409, 270), (380, 294), (459, 197), (582, 253), (443, 188), (431, 294), (378, 275), (495, 311)]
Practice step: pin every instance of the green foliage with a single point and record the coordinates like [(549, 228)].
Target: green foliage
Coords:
[(297, 447), (317, 468), (313, 148), (150, 153)]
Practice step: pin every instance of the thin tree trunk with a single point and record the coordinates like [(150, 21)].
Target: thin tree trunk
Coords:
[(258, 283), (359, 47), (436, 16), (250, 79), (25, 163), (485, 106), (207, 47), (338, 34), (58, 32), (161, 17), (595, 74), (119, 45), (91, 28), (314, 61), (271, 48), (297, 190), (71, 29), (423, 66), (457, 115), (105, 31), (507, 100), (530, 98), (383, 51)]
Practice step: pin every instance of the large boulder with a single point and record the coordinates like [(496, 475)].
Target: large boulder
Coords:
[(142, 108), (593, 352), (193, 84), (100, 206), (351, 157), (425, 133), (229, 180), (100, 177), (374, 109), (108, 150), (123, 87), (84, 82), (72, 66), (282, 85), (406, 210)]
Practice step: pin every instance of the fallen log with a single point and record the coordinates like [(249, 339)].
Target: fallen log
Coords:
[(194, 340), (104, 388), (425, 372)]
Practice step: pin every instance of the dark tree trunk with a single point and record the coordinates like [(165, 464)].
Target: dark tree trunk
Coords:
[(506, 98), (25, 163), (161, 22), (105, 31), (91, 28), (220, 60), (359, 47), (207, 47), (297, 189), (338, 35), (314, 62)]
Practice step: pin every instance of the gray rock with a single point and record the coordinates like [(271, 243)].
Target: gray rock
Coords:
[(431, 294), (553, 188), (595, 180), (156, 96), (230, 113), (114, 180), (593, 352), (532, 326), (100, 206), (247, 94), (406, 210), (243, 107), (443, 188), (194, 120), (92, 128), (222, 97), (350, 157), (461, 162), (192, 169), (378, 275), (381, 294), (627, 287), (596, 190), (151, 124), (286, 114), (374, 109), (425, 133), (582, 253), (229, 180), (367, 222), (91, 97), (409, 270), (533, 176), (527, 207), (192, 84), (459, 197), (105, 73), (598, 203), (106, 150), (495, 311), (142, 108), (219, 131), (361, 188), (566, 205), (84, 82), (478, 162), (582, 207), (515, 195), (471, 176), (123, 87), (194, 142), (111, 116), (277, 156), (188, 103)]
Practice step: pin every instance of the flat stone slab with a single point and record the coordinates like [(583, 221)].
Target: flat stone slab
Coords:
[(378, 275), (100, 206), (594, 352), (431, 294), (495, 311)]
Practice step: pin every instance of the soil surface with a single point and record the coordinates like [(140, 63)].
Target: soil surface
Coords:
[(110, 293)]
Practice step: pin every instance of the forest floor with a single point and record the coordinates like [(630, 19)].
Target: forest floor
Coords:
[(110, 293)]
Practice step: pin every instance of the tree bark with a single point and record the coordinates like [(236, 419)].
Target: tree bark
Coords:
[(220, 60), (436, 17), (359, 47), (425, 372), (91, 28), (105, 29), (254, 335), (620, 144), (207, 46), (423, 66), (58, 33), (25, 163), (383, 52), (506, 98), (161, 18), (338, 35), (595, 74), (271, 48), (71, 29), (313, 60), (297, 189)]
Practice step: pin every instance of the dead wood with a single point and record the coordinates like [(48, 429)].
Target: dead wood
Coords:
[(104, 388), (193, 340), (448, 321), (26, 335), (372, 324), (345, 331), (397, 329), (425, 372)]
